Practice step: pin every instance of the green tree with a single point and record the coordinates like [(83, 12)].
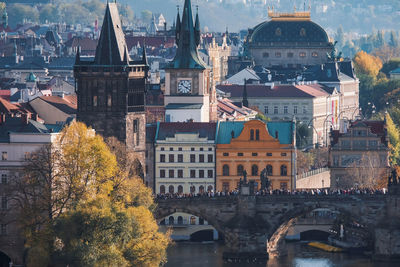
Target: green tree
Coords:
[(18, 13), (340, 37), (393, 40), (394, 140), (49, 12)]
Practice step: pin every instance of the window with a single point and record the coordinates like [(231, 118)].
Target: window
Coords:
[(180, 191), (225, 186), (95, 100), (225, 154), (210, 149), (201, 158), (4, 155), (210, 174), (171, 173), (180, 157), (278, 54), (210, 158), (162, 158), (373, 143), (201, 220), (180, 173), (201, 149), (240, 170), (3, 203), (304, 109), (192, 189), (269, 169), (284, 186), (192, 173), (257, 134), (302, 54), (275, 109), (314, 54), (171, 157), (285, 109), (4, 178), (265, 54), (162, 173), (171, 149), (3, 230), (240, 154), (201, 173), (192, 149), (225, 170), (290, 55), (179, 149), (254, 170), (162, 189), (295, 110), (265, 109), (251, 134), (283, 154), (283, 170), (192, 158), (162, 149), (269, 154), (254, 154), (171, 191)]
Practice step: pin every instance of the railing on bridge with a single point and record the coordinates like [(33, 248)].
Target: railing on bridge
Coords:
[(311, 173)]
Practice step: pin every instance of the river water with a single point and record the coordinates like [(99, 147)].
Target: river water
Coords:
[(193, 254)]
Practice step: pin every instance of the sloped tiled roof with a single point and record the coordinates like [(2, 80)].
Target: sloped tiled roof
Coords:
[(66, 105)]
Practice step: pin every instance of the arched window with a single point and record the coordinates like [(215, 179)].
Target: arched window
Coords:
[(257, 134), (225, 170), (240, 170), (171, 220), (192, 220), (269, 170), (180, 220), (283, 170), (192, 189), (254, 170), (251, 134), (209, 188), (171, 189), (201, 189), (180, 189), (201, 221), (162, 189)]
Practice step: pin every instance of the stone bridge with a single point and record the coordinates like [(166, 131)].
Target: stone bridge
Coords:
[(255, 226)]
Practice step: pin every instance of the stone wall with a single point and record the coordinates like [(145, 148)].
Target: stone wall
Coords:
[(320, 178)]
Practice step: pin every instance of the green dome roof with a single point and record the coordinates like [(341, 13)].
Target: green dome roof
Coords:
[(31, 77), (288, 31)]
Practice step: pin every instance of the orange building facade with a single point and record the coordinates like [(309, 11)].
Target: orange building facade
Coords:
[(254, 146)]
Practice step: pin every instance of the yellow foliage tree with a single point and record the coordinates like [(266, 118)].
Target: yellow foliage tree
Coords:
[(367, 64)]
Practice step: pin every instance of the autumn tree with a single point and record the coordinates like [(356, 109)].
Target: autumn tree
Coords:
[(78, 207), (366, 64), (394, 140)]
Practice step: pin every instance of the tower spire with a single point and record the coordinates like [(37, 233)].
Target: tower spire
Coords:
[(78, 56), (197, 27), (177, 26)]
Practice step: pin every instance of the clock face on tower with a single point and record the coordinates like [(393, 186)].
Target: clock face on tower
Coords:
[(184, 86)]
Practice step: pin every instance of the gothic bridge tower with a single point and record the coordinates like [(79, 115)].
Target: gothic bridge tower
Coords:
[(111, 87)]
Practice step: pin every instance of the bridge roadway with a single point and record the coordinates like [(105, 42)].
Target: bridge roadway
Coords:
[(255, 226)]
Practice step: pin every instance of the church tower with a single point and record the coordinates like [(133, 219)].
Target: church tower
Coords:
[(189, 94), (111, 87)]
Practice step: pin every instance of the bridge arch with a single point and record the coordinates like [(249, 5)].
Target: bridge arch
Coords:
[(4, 259), (276, 245)]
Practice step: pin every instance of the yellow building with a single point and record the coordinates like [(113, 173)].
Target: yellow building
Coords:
[(254, 146)]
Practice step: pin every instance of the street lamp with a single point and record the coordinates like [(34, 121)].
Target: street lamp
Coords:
[(309, 127), (354, 112)]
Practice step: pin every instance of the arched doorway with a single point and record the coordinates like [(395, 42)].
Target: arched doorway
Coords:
[(171, 220), (4, 260)]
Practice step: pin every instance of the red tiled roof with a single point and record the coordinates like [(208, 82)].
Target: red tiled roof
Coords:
[(7, 107), (63, 104)]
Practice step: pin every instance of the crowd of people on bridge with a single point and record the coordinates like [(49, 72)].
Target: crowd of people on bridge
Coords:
[(308, 192)]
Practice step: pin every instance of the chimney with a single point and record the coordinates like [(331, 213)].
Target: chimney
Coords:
[(24, 118), (165, 27), (2, 118)]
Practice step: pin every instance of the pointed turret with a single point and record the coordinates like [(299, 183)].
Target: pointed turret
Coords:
[(197, 28), (78, 56), (126, 57), (245, 102), (177, 27), (187, 55), (112, 45)]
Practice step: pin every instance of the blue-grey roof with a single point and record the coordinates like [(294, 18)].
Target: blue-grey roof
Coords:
[(283, 128), (395, 71)]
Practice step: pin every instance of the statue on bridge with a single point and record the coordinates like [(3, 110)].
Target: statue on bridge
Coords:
[(244, 176), (265, 182), (393, 179)]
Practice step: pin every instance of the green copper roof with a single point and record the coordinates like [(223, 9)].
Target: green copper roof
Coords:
[(284, 129), (187, 39), (31, 78)]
